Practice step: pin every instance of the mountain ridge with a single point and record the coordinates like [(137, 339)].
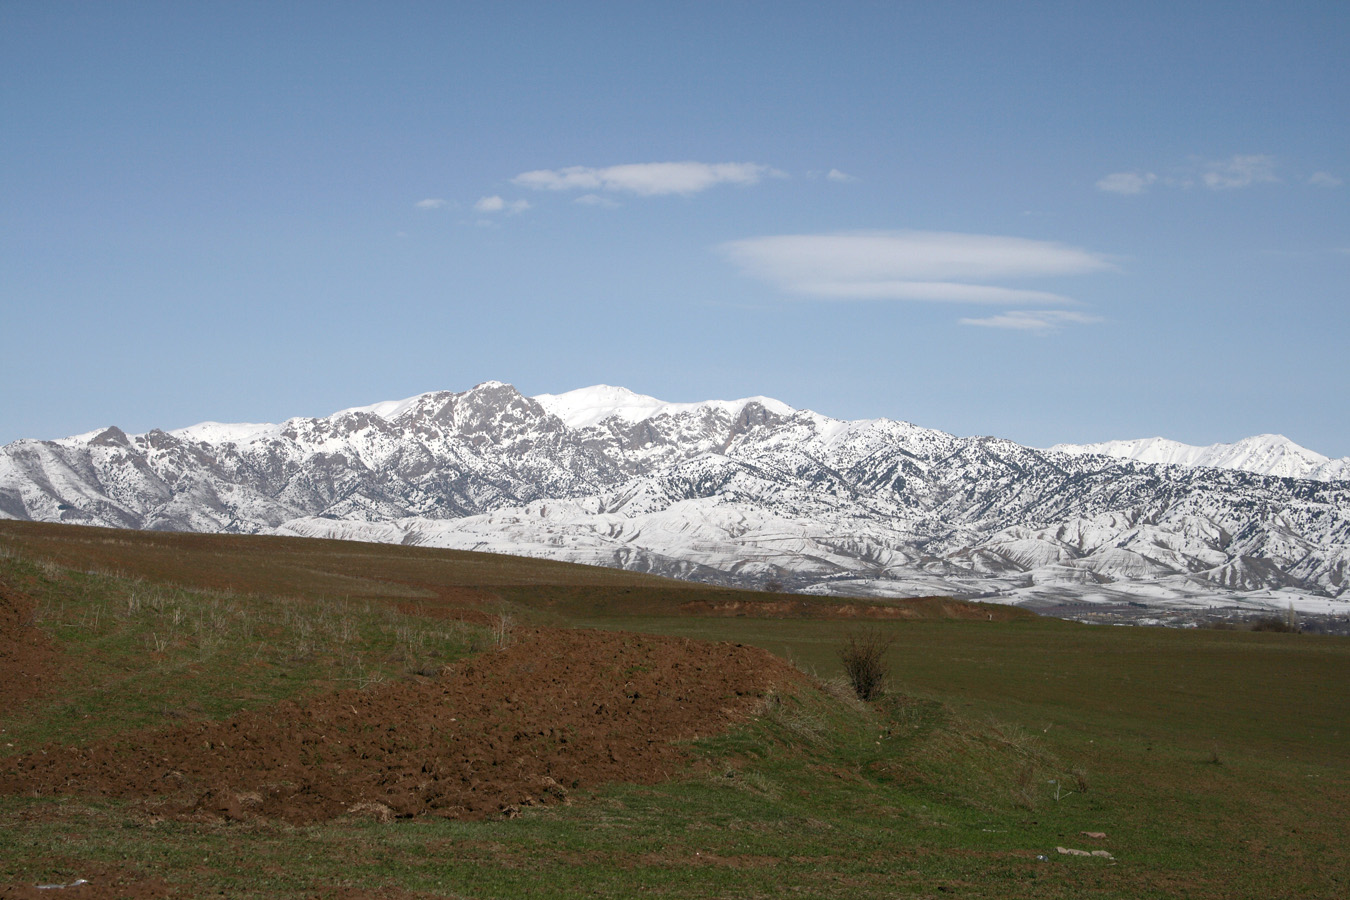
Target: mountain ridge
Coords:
[(1263, 454), (736, 492)]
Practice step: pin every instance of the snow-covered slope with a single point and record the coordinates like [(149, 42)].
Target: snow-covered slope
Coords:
[(1264, 454), (588, 407), (731, 491)]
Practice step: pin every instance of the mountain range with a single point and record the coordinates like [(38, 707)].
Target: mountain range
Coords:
[(1264, 454), (746, 492)]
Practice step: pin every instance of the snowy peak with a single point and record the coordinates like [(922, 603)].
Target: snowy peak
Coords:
[(391, 410), (734, 491), (588, 407), (498, 409), (223, 433), (388, 409), (1262, 454)]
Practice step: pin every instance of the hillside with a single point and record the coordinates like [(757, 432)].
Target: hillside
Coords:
[(267, 717)]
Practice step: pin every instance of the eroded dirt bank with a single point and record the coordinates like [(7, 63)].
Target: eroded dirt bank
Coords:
[(555, 711)]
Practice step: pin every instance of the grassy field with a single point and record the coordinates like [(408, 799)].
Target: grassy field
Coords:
[(1215, 763)]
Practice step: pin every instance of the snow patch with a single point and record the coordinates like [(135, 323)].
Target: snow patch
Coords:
[(223, 433), (589, 406)]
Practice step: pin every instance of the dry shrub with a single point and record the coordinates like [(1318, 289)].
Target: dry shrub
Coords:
[(503, 630), (864, 658)]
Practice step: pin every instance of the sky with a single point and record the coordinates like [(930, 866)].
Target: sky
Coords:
[(1049, 222)]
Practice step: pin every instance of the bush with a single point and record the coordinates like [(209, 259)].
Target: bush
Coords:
[(864, 658)]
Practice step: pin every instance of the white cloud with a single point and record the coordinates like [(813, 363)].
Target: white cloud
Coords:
[(1237, 172), (646, 179), (836, 175), (910, 265), (1038, 321), (1126, 182), (495, 204), (430, 203), (939, 291), (596, 200), (1324, 179)]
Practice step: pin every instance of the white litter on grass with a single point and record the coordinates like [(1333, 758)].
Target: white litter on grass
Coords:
[(56, 887), (1069, 851)]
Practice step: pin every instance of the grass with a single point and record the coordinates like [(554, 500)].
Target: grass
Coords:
[(805, 800), (139, 654), (1216, 763)]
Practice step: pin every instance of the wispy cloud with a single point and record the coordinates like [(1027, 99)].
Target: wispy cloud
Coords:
[(938, 291), (495, 204), (931, 266), (1324, 179), (647, 179), (910, 265), (1238, 172), (597, 200), (836, 175), (1233, 173), (1036, 321), (430, 203), (1126, 182)]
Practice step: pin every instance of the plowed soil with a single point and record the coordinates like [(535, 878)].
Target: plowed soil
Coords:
[(27, 659), (555, 711)]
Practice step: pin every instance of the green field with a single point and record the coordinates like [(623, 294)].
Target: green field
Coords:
[(1215, 763)]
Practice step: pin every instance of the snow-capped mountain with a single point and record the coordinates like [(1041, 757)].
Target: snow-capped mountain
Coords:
[(1264, 454), (731, 491)]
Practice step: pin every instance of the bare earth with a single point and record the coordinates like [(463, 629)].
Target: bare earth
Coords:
[(555, 711), (27, 658)]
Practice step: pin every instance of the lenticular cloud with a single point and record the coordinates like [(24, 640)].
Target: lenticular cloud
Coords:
[(645, 179), (910, 265)]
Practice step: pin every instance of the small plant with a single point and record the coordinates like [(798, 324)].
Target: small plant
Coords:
[(50, 569), (1024, 787), (864, 658), (1061, 791), (502, 629)]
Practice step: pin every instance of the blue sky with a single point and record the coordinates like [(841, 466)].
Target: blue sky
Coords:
[(1048, 222)]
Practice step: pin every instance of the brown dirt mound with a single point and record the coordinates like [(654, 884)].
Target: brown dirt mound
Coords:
[(555, 711), (27, 659)]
